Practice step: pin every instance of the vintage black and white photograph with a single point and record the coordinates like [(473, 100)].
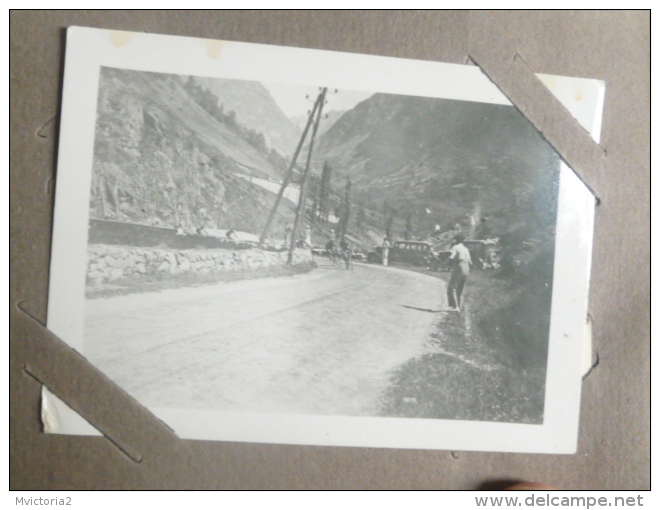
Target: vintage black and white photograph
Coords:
[(287, 248), (395, 261)]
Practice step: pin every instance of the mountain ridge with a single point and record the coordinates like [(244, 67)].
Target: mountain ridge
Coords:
[(256, 109), (168, 150), (161, 157), (454, 158)]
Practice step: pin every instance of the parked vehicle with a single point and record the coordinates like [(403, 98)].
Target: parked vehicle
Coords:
[(484, 254), (439, 261), (317, 250), (403, 252)]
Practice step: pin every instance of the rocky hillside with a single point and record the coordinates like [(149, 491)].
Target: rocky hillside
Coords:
[(169, 150), (163, 156)]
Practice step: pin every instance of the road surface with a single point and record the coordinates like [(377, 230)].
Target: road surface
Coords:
[(326, 342)]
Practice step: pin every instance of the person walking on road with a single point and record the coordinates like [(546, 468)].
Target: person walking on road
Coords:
[(386, 250), (288, 232), (306, 242), (460, 257)]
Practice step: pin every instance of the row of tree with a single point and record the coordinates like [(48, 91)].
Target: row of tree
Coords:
[(209, 102), (322, 201), (322, 206)]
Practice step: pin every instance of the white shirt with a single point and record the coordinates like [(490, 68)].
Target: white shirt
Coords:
[(461, 253)]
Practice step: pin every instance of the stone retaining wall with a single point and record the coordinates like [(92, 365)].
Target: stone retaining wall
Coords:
[(108, 263)]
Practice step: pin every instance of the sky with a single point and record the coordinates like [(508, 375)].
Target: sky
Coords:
[(291, 98)]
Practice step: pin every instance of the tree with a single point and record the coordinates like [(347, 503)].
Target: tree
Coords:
[(314, 193), (230, 118), (345, 209), (325, 190), (389, 212), (361, 216), (190, 85), (314, 210), (409, 227)]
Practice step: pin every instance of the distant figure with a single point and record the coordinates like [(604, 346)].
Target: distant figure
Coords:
[(459, 256), (331, 249), (386, 250), (346, 250), (202, 231), (231, 234), (288, 230), (179, 230), (308, 237), (330, 246)]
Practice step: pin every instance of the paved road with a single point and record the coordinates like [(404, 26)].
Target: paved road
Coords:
[(325, 342)]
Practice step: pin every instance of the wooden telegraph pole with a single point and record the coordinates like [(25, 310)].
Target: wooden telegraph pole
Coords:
[(300, 211), (287, 178)]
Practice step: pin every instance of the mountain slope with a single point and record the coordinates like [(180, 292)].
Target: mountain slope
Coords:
[(443, 161), (256, 109), (160, 157)]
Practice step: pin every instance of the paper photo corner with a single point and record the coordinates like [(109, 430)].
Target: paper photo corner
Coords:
[(582, 98), (58, 418)]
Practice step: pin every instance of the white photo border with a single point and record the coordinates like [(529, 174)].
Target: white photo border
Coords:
[(90, 49)]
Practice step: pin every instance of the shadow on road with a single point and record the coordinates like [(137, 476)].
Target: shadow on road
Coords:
[(428, 310)]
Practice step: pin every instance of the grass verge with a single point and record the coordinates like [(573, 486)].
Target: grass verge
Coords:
[(487, 363)]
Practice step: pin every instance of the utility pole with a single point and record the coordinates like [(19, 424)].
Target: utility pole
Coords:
[(300, 211), (287, 178)]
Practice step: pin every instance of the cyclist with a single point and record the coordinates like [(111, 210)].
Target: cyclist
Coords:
[(346, 249), (331, 248)]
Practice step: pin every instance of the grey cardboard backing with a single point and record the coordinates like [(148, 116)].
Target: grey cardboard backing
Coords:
[(139, 452)]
